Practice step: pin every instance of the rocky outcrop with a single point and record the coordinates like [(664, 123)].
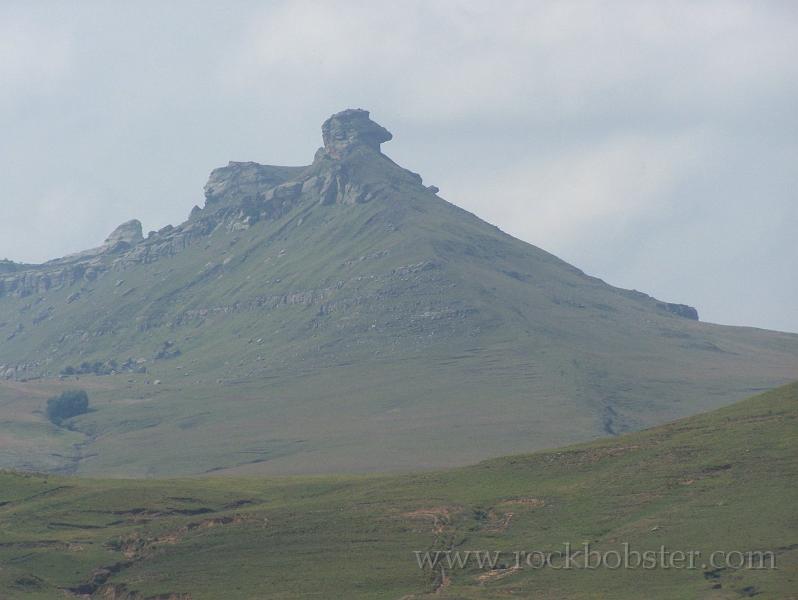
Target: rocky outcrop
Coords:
[(24, 280), (350, 129), (681, 310), (8, 266), (127, 234), (335, 187), (241, 182)]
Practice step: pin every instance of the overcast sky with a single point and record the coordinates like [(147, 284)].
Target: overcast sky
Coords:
[(652, 144)]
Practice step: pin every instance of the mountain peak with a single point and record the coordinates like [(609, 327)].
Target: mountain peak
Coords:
[(344, 298), (352, 128)]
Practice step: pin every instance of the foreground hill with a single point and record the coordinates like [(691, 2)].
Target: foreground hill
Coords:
[(723, 481), (343, 317)]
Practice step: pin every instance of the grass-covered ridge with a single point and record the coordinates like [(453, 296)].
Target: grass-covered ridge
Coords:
[(344, 317), (725, 480)]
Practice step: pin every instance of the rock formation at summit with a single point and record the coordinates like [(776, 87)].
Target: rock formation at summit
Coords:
[(349, 129)]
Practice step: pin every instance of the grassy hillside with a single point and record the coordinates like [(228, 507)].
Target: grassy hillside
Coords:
[(348, 319), (722, 481), (379, 363)]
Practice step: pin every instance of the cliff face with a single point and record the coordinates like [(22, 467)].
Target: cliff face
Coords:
[(24, 280)]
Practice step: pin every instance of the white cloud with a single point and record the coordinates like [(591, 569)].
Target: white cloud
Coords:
[(557, 200), (538, 61), (34, 58)]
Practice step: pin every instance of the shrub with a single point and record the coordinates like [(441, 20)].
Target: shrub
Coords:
[(66, 405)]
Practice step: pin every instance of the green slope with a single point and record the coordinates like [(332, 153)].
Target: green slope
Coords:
[(344, 317), (722, 481)]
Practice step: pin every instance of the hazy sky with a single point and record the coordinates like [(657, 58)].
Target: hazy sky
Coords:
[(652, 144)]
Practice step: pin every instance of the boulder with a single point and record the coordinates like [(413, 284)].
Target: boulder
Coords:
[(128, 232)]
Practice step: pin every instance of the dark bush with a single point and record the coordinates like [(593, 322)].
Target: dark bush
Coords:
[(97, 367), (68, 404)]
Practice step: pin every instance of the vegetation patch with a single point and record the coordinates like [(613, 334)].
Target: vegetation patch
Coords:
[(66, 405)]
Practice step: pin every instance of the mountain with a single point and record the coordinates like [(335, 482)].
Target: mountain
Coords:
[(342, 316), (719, 482)]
